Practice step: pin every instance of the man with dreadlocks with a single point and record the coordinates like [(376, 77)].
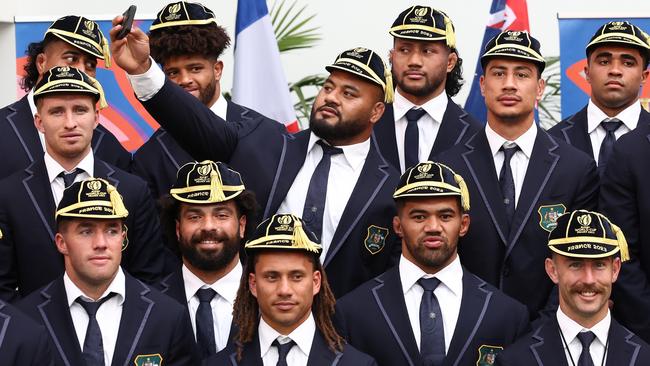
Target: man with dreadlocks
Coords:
[(187, 42), (284, 303)]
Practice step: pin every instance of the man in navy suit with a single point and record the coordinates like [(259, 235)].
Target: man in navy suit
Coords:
[(521, 177), (585, 259), (28, 258), (284, 303), (332, 174), (22, 340), (188, 49), (70, 41), (95, 313), (617, 62), (206, 214), (423, 120), (383, 317)]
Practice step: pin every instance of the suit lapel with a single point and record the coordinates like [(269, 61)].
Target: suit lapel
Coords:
[(622, 349), (644, 119), (388, 297), (320, 354), (5, 319), (474, 304), (481, 166), (251, 355), (174, 286), (372, 178), (453, 128), (547, 347), (575, 132), (55, 314), (38, 189), (384, 130), (237, 113), (135, 314), (22, 122), (294, 152), (540, 168), (104, 170), (171, 148)]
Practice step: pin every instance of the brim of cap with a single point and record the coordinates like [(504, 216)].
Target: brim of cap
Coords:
[(509, 50), (339, 66), (62, 89), (277, 242), (182, 22), (420, 34), (620, 38), (97, 213), (83, 45), (190, 195), (562, 249)]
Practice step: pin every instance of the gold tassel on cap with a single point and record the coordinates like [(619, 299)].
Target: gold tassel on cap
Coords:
[(464, 192), (102, 98), (300, 238), (106, 51), (116, 202), (388, 90), (216, 186), (622, 243), (449, 32)]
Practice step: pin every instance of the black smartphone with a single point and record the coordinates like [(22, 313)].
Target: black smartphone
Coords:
[(127, 22)]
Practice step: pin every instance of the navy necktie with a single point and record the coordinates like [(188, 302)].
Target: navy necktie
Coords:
[(432, 332), (507, 182), (314, 208), (68, 178), (93, 349), (283, 351), (205, 322), (610, 125), (585, 357), (412, 137)]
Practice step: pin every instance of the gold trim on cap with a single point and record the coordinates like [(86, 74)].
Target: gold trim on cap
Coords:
[(367, 68), (83, 204), (583, 239), (417, 26), (538, 58), (427, 184), (599, 255), (635, 39), (183, 22), (260, 243), (59, 32)]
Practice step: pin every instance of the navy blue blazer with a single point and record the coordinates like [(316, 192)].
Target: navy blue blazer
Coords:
[(151, 324), (269, 159), (22, 340), (543, 347), (456, 127), (625, 199), (373, 318), (21, 146), (28, 257), (319, 355), (559, 178), (573, 130), (157, 161)]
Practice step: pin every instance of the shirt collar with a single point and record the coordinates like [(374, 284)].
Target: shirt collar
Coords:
[(355, 154), (226, 286), (434, 107), (32, 104), (451, 276), (220, 108), (570, 328), (303, 335), (87, 164), (629, 116), (118, 285), (526, 141)]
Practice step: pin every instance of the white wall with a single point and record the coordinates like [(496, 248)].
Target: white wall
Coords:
[(344, 24)]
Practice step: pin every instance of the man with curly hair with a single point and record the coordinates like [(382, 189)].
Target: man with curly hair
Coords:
[(423, 121), (69, 41), (187, 42)]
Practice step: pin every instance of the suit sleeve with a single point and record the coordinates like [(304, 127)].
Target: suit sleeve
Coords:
[(138, 167), (182, 350), (42, 353), (8, 271)]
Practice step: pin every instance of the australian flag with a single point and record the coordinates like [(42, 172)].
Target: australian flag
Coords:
[(504, 15)]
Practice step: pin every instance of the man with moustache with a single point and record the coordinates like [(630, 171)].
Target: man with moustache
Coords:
[(429, 310), (187, 42), (333, 173), (617, 62), (586, 251), (69, 41), (206, 213), (423, 120), (522, 178)]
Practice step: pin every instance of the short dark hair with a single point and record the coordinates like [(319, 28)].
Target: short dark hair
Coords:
[(645, 54), (208, 41), (31, 71)]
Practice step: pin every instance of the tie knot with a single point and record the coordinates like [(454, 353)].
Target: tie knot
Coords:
[(413, 115), (586, 338), (509, 150), (205, 294), (611, 124), (329, 149), (91, 307), (429, 284), (283, 348), (68, 178)]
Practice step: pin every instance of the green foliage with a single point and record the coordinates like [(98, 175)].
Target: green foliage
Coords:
[(549, 106), (292, 30)]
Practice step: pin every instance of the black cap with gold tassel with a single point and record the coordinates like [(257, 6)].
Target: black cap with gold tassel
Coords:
[(92, 198), (283, 231), (206, 182), (368, 65), (67, 79), (82, 33), (431, 179), (424, 23)]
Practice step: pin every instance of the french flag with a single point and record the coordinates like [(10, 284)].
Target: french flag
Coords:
[(259, 82), (504, 15)]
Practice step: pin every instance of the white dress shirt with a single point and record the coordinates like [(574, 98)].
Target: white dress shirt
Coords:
[(428, 124), (303, 335), (108, 316), (222, 302), (449, 294), (54, 168), (519, 161), (629, 116), (570, 330), (344, 172)]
